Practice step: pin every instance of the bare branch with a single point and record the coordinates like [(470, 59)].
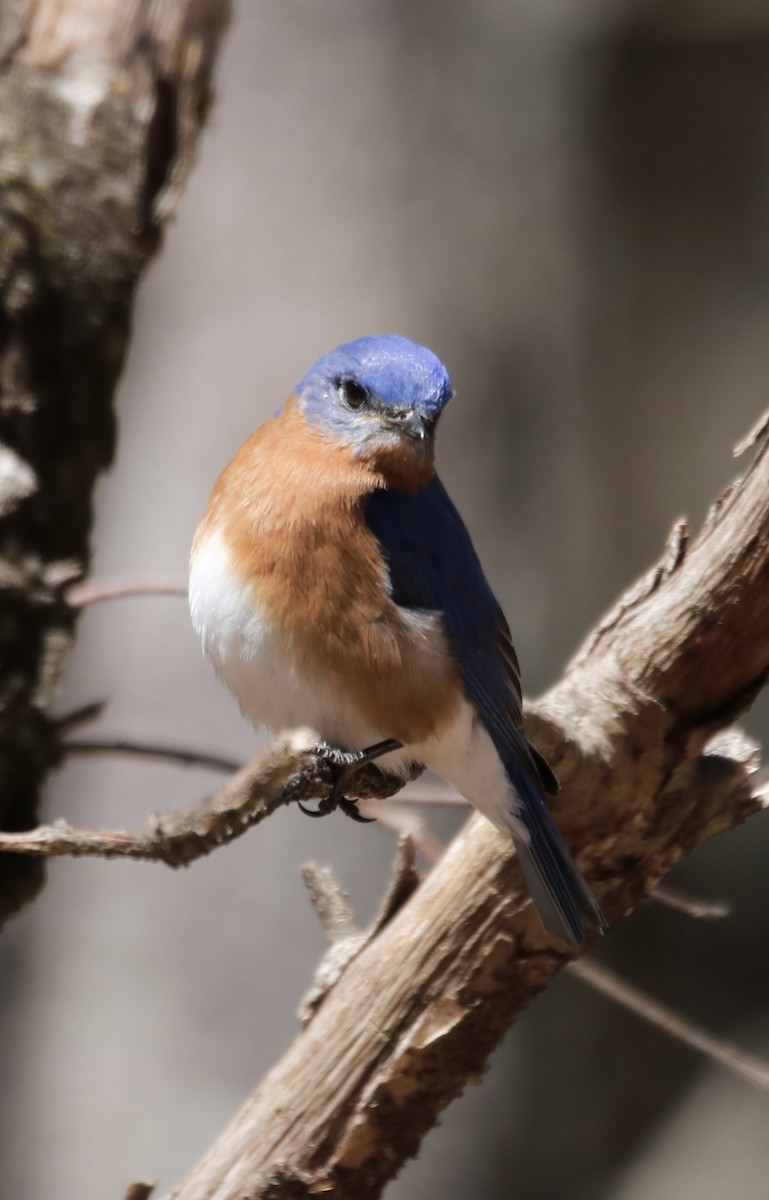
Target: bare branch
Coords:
[(718, 1050), (178, 755), (401, 818), (756, 434), (84, 714), (290, 770), (691, 906), (97, 591), (330, 901), (345, 939), (437, 795), (140, 1191), (638, 731)]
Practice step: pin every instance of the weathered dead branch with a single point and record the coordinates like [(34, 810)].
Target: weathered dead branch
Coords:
[(290, 770), (639, 731)]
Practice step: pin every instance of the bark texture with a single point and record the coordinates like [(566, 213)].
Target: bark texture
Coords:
[(639, 731), (100, 105)]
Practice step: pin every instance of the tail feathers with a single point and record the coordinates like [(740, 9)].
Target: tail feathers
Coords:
[(558, 888)]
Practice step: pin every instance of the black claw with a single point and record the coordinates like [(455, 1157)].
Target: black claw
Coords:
[(310, 812), (325, 807), (331, 803), (350, 809)]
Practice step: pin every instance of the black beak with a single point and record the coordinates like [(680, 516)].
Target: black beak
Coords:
[(415, 426)]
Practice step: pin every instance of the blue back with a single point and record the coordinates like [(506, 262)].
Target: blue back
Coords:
[(433, 565)]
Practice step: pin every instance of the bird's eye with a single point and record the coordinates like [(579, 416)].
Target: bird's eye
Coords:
[(353, 393)]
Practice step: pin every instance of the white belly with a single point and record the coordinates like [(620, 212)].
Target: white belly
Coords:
[(257, 662)]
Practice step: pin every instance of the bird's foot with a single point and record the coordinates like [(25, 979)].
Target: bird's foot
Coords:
[(347, 763), (330, 803), (333, 801)]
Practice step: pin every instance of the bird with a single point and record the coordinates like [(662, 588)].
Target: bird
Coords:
[(334, 585)]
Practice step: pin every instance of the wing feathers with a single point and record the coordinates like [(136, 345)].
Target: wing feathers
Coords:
[(432, 565)]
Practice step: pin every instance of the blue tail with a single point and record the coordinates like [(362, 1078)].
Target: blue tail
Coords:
[(558, 888)]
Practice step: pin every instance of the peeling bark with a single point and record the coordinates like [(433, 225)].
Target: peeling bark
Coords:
[(100, 105)]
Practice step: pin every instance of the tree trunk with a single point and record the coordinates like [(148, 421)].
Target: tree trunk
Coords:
[(101, 102)]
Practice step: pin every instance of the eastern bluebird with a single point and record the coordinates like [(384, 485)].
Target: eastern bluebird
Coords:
[(334, 584)]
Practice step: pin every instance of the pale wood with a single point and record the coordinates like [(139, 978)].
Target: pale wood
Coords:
[(633, 729)]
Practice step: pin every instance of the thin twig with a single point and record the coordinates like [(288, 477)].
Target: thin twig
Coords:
[(137, 749), (330, 901), (292, 769), (346, 940), (85, 714), (691, 906), (96, 591), (747, 1066), (401, 819), (437, 794), (140, 1191)]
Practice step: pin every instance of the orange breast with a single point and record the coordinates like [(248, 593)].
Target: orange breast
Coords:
[(290, 505)]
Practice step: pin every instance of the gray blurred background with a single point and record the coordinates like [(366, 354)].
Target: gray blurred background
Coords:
[(569, 202)]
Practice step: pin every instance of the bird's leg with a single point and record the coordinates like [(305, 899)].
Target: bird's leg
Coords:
[(350, 760), (348, 763)]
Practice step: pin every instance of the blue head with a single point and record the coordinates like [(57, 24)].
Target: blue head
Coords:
[(380, 395)]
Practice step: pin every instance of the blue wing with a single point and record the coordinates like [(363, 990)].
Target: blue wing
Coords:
[(433, 565)]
